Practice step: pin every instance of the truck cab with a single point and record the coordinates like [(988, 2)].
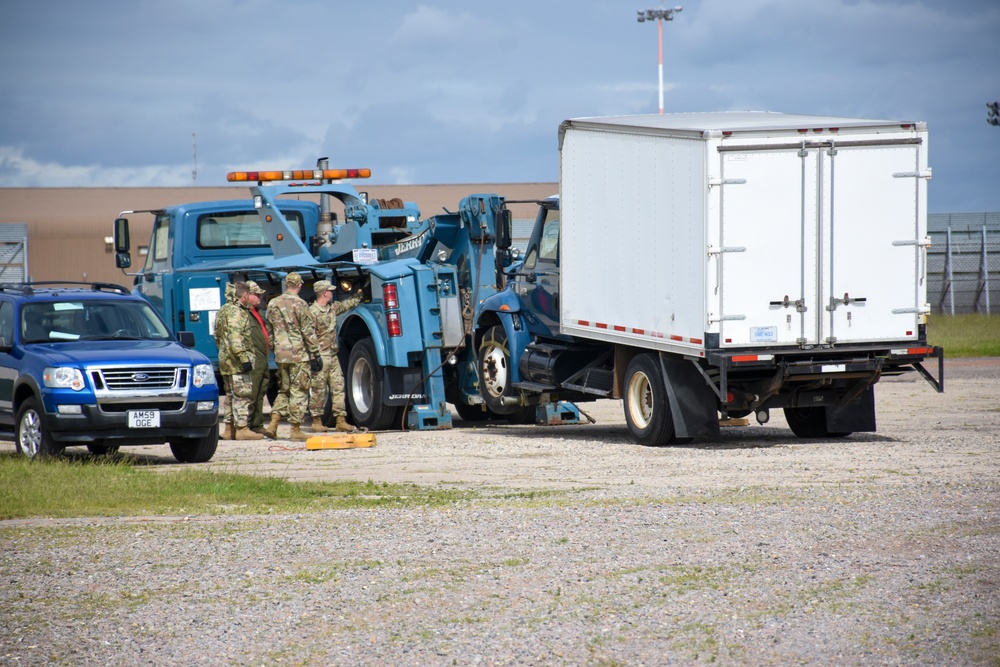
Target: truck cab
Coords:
[(193, 250)]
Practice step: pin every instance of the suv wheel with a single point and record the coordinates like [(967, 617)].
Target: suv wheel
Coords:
[(196, 450), (32, 438)]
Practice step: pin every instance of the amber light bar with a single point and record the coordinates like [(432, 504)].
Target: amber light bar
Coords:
[(297, 175)]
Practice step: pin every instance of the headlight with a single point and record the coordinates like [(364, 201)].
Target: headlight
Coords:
[(63, 377), (203, 375)]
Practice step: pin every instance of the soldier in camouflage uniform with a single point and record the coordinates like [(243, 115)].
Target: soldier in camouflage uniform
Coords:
[(330, 378), (261, 374), (296, 351), (232, 334)]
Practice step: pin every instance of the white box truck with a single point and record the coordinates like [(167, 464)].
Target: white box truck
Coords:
[(708, 264)]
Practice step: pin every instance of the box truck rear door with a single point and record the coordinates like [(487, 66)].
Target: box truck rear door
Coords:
[(768, 231), (871, 263)]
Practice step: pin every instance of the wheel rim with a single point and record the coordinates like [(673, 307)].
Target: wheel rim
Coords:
[(640, 400), (362, 385), (495, 372), (30, 433)]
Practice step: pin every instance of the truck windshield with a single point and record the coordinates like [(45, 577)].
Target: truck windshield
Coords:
[(240, 229), (57, 321)]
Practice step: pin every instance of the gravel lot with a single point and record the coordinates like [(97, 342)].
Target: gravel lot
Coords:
[(758, 549)]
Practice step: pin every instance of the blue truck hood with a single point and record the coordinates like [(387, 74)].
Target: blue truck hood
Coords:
[(132, 352)]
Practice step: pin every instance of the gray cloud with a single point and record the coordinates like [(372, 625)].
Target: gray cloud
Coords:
[(108, 93)]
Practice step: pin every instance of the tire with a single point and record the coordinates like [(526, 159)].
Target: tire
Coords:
[(495, 371), (523, 415), (196, 450), (364, 390), (472, 413), (32, 437), (810, 422), (102, 450), (647, 410)]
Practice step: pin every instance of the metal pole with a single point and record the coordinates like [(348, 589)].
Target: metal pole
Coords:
[(659, 28), (660, 15)]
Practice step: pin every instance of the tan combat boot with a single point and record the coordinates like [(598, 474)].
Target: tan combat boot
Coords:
[(318, 426), (230, 432), (342, 425), (246, 434), (297, 434), (271, 430)]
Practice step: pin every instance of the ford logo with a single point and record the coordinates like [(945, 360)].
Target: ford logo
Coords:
[(139, 377)]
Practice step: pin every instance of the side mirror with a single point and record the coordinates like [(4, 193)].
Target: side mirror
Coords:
[(186, 338), (122, 245), (504, 222)]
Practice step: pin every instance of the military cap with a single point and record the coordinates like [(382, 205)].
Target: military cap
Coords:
[(293, 279), (322, 286), (255, 288)]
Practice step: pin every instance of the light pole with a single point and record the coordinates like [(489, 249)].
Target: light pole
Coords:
[(660, 15)]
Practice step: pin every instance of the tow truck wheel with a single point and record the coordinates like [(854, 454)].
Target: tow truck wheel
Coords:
[(647, 410), (364, 390), (810, 422), (494, 371), (472, 413), (32, 438)]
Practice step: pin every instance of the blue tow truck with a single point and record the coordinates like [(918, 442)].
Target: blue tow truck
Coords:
[(197, 248)]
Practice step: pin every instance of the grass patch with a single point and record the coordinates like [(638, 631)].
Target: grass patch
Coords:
[(965, 335), (62, 488)]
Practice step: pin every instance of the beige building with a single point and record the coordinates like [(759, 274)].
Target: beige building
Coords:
[(67, 228)]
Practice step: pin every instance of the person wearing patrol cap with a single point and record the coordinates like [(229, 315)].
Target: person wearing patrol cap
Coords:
[(296, 351), (261, 374), (329, 379), (233, 329)]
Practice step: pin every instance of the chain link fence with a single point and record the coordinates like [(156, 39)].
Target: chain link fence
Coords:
[(963, 263)]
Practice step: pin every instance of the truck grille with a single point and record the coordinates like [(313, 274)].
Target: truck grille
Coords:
[(131, 378)]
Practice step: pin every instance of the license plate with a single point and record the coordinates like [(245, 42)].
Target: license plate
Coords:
[(143, 418)]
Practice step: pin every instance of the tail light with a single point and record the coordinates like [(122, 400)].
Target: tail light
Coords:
[(389, 297), (390, 301), (393, 324)]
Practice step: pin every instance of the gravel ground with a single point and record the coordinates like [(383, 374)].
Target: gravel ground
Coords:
[(585, 549)]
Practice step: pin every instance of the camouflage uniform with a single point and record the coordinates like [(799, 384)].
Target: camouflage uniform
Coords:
[(232, 334), (294, 342), (261, 374), (330, 378)]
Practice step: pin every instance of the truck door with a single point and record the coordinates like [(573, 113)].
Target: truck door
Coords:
[(537, 283), (767, 255), (872, 264), (150, 283), (819, 244)]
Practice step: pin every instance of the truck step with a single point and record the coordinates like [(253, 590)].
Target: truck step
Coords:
[(546, 348), (533, 386)]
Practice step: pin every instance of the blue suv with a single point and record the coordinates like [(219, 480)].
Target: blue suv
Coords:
[(92, 364)]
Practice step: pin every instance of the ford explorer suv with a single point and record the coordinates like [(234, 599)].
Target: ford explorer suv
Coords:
[(92, 364)]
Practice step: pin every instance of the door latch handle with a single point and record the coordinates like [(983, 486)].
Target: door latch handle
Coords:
[(799, 304)]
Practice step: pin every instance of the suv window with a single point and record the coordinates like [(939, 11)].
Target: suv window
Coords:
[(53, 321), (7, 322)]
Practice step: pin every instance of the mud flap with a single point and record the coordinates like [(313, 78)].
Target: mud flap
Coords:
[(692, 402), (858, 416)]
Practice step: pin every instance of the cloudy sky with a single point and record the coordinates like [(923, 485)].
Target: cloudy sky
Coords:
[(109, 92)]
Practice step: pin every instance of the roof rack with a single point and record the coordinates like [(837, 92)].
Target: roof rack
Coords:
[(29, 287)]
